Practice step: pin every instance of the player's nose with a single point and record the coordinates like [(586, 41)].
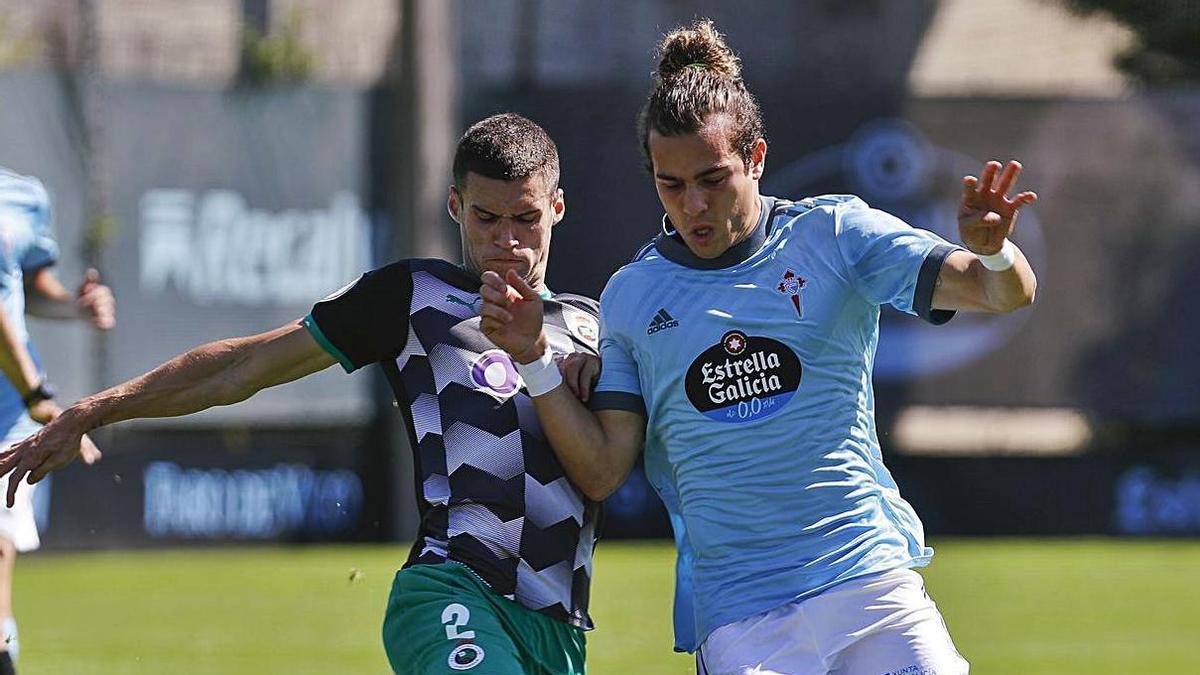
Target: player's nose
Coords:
[(504, 235), (694, 202)]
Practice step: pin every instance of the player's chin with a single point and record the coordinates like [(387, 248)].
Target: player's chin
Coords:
[(502, 266), (706, 248)]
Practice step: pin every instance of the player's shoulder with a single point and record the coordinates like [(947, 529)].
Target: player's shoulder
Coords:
[(643, 269), (15, 187), (647, 260), (372, 282), (402, 266), (822, 208), (386, 279), (391, 272), (813, 223), (582, 302), (632, 282), (835, 202), (837, 216), (436, 267)]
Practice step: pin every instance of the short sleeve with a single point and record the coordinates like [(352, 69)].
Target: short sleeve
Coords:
[(619, 387), (892, 262), (367, 321), (42, 250)]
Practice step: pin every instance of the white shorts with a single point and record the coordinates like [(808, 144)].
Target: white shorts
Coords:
[(18, 524), (881, 624)]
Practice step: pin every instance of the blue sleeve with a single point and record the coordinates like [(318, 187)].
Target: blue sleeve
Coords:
[(43, 250), (619, 387), (891, 262)]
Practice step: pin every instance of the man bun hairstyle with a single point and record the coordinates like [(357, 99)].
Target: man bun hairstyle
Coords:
[(506, 147), (698, 75)]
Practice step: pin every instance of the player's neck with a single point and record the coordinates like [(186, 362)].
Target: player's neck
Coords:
[(750, 224)]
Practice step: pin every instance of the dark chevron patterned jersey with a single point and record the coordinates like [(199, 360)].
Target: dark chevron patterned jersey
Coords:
[(491, 493)]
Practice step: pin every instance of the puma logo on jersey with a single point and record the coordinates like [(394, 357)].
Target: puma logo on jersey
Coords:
[(455, 300)]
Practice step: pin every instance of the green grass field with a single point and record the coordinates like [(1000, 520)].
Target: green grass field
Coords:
[(1024, 607)]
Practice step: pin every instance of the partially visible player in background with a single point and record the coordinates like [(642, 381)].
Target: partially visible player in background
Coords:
[(27, 284), (737, 349), (498, 579)]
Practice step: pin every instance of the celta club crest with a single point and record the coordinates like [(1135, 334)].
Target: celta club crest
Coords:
[(792, 285)]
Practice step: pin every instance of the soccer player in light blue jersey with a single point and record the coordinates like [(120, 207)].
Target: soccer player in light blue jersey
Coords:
[(27, 283), (737, 352)]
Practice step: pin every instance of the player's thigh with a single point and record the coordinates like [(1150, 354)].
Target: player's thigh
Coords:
[(442, 631), (907, 635), (774, 642), (18, 524)]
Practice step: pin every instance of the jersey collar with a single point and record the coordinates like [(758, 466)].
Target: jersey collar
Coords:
[(671, 245)]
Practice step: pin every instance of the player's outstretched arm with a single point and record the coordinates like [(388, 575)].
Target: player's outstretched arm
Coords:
[(597, 450), (218, 373), (994, 276)]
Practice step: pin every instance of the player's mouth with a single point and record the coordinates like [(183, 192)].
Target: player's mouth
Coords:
[(702, 235), (502, 264)]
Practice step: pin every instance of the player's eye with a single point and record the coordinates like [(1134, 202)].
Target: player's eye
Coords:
[(670, 185), (529, 219), (485, 217), (715, 181)]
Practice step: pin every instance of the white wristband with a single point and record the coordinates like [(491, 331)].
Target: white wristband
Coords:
[(541, 376), (1002, 260)]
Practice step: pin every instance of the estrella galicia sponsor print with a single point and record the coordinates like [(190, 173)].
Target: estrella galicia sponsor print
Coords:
[(743, 378)]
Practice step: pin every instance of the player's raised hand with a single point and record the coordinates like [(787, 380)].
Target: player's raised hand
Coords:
[(986, 215), (54, 446), (97, 301), (511, 316)]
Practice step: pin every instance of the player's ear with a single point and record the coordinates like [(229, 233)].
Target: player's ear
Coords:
[(758, 158), (454, 205), (559, 205)]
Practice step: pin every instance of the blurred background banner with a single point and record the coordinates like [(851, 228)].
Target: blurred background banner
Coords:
[(236, 210), (239, 210), (190, 486), (258, 155)]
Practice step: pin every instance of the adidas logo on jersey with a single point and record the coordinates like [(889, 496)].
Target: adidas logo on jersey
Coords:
[(662, 321)]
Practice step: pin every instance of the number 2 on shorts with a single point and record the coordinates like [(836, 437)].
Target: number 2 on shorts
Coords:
[(455, 616)]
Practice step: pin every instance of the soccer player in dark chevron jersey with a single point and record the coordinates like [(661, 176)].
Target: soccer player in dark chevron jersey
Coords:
[(497, 580), (737, 352)]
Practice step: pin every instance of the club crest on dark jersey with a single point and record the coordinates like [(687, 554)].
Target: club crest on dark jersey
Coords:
[(743, 378)]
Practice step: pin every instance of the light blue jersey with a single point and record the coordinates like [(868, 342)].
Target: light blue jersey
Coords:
[(754, 371), (26, 245)]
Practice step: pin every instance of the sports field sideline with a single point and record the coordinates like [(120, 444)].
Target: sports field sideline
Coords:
[(1014, 606)]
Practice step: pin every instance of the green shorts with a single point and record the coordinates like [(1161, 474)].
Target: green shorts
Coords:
[(443, 620)]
